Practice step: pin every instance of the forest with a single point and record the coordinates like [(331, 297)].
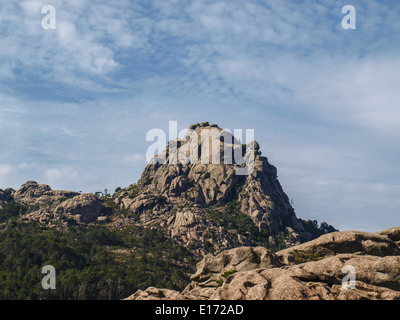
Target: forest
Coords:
[(91, 262)]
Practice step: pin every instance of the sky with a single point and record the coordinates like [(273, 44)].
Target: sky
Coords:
[(77, 101)]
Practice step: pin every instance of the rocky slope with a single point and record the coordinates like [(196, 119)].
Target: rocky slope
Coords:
[(195, 196), (39, 202), (310, 271), (189, 198)]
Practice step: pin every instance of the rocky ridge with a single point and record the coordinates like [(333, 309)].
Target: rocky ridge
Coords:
[(192, 192), (186, 197), (309, 271), (41, 203)]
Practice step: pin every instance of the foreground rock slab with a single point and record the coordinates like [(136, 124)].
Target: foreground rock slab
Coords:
[(311, 271)]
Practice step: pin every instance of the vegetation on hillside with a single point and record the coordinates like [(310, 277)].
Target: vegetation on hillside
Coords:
[(91, 262), (317, 229), (235, 223), (96, 261)]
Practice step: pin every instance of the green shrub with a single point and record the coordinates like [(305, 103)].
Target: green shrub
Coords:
[(10, 210), (220, 282), (302, 257), (226, 274)]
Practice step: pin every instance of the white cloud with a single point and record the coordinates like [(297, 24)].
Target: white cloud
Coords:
[(327, 100), (344, 185), (5, 170), (12, 175), (134, 159), (63, 177), (356, 92), (84, 45)]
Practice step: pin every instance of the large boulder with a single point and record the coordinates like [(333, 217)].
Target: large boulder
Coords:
[(376, 278), (84, 208), (316, 270), (340, 242), (32, 193), (185, 224), (213, 270), (152, 293), (391, 233)]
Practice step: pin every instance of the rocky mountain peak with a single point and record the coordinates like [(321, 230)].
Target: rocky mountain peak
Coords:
[(203, 144), (194, 180), (260, 194), (194, 191)]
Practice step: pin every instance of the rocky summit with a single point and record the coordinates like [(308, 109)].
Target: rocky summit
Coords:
[(311, 271), (192, 192), (203, 203)]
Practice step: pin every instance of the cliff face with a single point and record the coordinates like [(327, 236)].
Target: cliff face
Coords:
[(187, 191), (208, 191), (259, 194)]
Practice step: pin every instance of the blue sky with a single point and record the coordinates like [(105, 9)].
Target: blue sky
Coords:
[(76, 102)]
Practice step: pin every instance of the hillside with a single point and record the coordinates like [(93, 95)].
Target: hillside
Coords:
[(208, 206), (152, 232)]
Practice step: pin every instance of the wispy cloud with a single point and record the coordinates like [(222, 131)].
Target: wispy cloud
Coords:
[(80, 52), (324, 101)]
